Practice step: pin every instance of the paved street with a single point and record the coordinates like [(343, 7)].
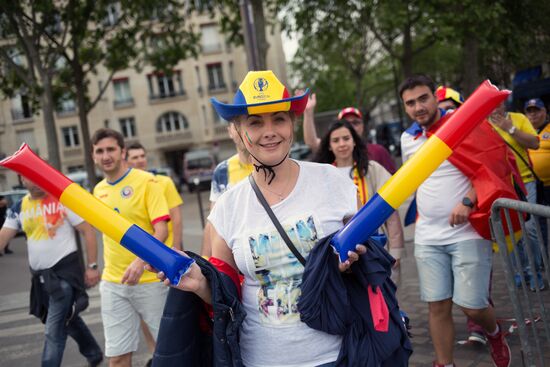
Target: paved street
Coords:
[(21, 336)]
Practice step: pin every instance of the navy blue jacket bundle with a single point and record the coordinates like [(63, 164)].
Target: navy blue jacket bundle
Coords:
[(338, 303), (46, 283), (183, 342), (332, 302)]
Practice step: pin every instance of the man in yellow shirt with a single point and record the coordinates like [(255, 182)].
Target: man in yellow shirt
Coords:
[(127, 292), (536, 113), (136, 156), (519, 134)]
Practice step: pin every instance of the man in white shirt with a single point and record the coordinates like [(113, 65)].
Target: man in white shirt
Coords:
[(453, 260)]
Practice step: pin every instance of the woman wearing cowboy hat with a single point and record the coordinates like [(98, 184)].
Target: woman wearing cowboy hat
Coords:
[(310, 201)]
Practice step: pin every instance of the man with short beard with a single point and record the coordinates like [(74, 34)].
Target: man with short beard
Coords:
[(128, 292), (453, 260)]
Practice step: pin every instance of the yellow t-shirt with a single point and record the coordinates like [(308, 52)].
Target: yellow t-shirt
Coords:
[(521, 122), (227, 174), (541, 157), (173, 200), (237, 171), (137, 196)]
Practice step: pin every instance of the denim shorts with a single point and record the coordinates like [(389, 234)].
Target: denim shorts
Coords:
[(121, 308), (460, 271)]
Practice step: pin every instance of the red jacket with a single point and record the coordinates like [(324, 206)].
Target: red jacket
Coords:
[(485, 159)]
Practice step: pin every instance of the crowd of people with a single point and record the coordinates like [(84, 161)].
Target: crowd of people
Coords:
[(269, 214)]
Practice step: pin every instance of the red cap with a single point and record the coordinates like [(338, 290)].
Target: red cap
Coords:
[(349, 111)]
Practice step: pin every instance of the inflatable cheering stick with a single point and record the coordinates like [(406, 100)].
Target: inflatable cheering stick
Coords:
[(417, 169), (95, 212)]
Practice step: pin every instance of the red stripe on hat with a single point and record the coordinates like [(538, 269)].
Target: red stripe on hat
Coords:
[(298, 105), (285, 93)]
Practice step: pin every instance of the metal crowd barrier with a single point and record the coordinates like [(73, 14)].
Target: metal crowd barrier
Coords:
[(529, 308)]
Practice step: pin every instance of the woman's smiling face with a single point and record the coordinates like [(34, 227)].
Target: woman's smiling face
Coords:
[(267, 136)]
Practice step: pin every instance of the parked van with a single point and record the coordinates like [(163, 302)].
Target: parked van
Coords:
[(198, 168)]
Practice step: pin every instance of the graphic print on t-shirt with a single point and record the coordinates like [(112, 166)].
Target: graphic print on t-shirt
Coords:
[(278, 271), (40, 219)]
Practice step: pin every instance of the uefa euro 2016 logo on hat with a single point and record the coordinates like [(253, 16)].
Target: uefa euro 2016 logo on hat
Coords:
[(261, 84), (261, 92)]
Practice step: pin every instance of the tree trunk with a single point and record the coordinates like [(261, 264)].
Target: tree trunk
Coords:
[(470, 63), (47, 103), (407, 55), (259, 26), (83, 117)]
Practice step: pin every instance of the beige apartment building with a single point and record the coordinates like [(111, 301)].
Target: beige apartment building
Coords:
[(168, 115)]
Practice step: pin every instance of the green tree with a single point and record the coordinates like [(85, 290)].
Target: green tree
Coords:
[(496, 38), (23, 27), (338, 54), (116, 36), (405, 29), (86, 35)]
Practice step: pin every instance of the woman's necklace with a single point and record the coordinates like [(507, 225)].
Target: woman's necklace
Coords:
[(281, 195)]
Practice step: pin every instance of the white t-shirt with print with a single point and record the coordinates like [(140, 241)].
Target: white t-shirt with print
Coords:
[(272, 333), (48, 226), (436, 198)]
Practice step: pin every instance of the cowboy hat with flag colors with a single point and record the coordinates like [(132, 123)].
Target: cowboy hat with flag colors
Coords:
[(261, 92)]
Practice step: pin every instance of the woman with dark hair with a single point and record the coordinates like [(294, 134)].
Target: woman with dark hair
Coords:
[(343, 148)]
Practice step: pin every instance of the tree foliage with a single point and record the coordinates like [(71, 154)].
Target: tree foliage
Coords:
[(457, 43), (76, 38)]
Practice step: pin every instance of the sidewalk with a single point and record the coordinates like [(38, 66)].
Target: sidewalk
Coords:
[(464, 355), (14, 303)]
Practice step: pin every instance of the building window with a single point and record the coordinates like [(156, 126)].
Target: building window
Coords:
[(21, 107), (70, 136), (210, 38), (26, 136), (171, 122), (66, 104), (128, 127), (215, 76), (15, 55), (123, 95), (202, 5), (234, 84), (161, 12), (165, 86), (113, 14)]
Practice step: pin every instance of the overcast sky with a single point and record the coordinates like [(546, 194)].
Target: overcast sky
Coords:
[(290, 44)]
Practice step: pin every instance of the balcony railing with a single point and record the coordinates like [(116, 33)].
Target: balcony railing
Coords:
[(69, 152), (174, 136), (127, 102), (171, 94), (18, 115), (221, 130), (211, 48), (217, 88)]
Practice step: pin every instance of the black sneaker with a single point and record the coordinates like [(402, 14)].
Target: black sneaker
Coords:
[(96, 363)]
